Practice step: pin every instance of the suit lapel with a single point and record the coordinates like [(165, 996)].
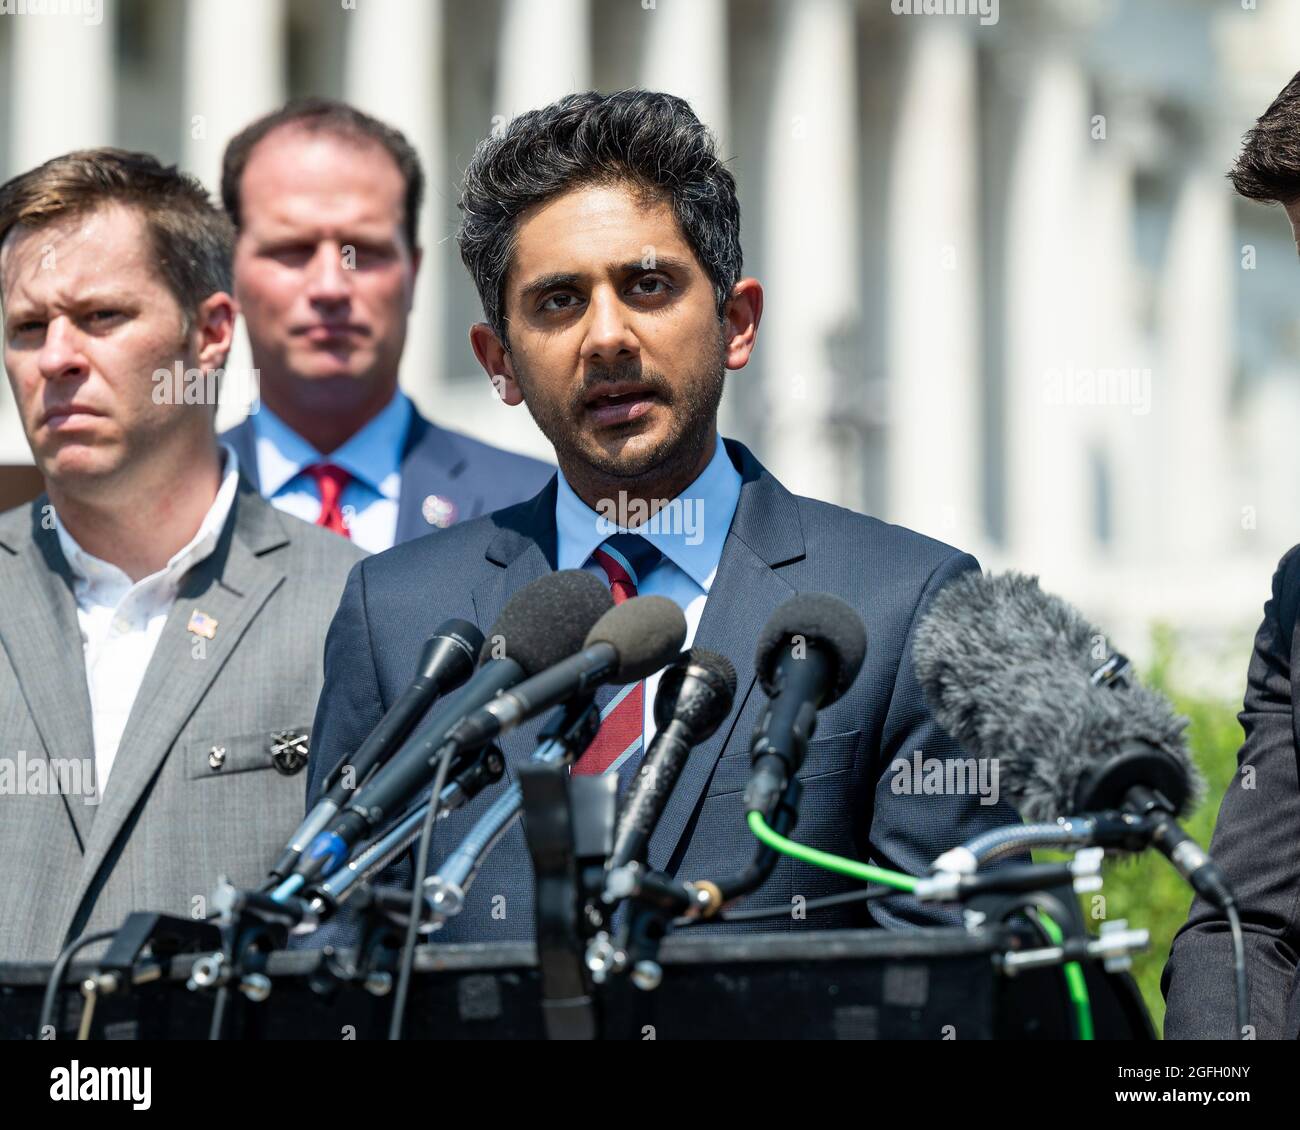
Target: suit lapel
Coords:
[(40, 633), (231, 586), (430, 465), (765, 534)]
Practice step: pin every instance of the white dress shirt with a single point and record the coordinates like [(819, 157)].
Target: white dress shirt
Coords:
[(690, 533), (373, 457), (121, 620)]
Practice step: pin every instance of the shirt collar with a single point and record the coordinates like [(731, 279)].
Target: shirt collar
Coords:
[(690, 531), (90, 571), (373, 455)]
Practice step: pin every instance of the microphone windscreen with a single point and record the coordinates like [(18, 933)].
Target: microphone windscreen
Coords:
[(646, 631), (823, 621), (547, 620), (1007, 671)]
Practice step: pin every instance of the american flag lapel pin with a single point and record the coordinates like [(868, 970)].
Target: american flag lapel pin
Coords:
[(201, 624)]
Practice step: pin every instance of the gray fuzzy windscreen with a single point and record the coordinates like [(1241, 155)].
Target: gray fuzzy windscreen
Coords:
[(1006, 670)]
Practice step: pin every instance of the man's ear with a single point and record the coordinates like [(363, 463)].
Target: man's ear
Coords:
[(495, 359), (214, 326)]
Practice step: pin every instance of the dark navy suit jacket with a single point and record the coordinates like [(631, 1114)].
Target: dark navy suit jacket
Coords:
[(476, 476), (779, 544)]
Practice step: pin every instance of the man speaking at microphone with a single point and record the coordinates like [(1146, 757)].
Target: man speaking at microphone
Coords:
[(603, 235)]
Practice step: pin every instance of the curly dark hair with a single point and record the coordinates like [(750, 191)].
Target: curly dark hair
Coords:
[(651, 140), (1268, 168)]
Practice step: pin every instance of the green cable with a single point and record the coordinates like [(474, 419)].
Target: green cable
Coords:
[(825, 860), (1074, 980)]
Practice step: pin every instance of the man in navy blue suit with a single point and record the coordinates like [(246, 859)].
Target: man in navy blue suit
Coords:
[(325, 201), (602, 233)]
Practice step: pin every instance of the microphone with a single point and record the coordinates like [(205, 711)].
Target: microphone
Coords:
[(695, 695), (446, 661), (629, 642), (1016, 674), (808, 655), (544, 622)]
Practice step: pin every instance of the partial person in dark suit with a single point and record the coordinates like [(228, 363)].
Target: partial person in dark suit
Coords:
[(161, 625), (603, 234), (1257, 836), (326, 204)]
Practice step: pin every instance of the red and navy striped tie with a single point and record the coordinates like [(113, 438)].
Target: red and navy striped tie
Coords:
[(626, 559)]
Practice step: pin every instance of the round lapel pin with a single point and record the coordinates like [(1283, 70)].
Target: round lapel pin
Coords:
[(439, 511)]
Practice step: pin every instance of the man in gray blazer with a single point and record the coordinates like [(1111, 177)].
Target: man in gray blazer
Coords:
[(161, 626)]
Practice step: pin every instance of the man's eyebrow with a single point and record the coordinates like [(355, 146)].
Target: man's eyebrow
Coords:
[(548, 282), (558, 279)]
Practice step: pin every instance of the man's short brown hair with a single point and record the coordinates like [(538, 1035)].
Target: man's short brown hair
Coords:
[(326, 115), (1268, 168), (192, 240)]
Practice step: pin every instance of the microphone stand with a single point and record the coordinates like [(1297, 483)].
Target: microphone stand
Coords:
[(656, 899)]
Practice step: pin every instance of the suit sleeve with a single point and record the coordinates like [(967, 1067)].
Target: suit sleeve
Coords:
[(909, 831), (1257, 844), (350, 703)]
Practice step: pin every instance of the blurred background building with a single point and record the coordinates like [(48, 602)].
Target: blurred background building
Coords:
[(1011, 299)]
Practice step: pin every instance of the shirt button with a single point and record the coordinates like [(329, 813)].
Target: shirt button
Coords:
[(121, 625)]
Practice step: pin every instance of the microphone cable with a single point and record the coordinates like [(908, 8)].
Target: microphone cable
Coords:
[(900, 881), (417, 894), (59, 971)]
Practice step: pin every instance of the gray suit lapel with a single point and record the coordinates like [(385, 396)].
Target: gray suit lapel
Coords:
[(231, 586), (40, 633)]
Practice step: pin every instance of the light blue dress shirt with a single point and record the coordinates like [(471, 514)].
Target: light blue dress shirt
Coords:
[(690, 533), (373, 457)]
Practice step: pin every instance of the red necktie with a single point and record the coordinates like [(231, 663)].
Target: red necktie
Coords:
[(620, 733), (330, 481)]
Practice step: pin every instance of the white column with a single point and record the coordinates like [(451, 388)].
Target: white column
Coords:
[(61, 90), (61, 97), (234, 73), (394, 71), (1126, 431), (1048, 486), (933, 437), (811, 241), (1192, 386), (685, 53), (684, 44), (545, 53)]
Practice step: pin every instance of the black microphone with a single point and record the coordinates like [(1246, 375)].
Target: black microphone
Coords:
[(629, 642), (540, 625), (695, 695), (1017, 675), (446, 661), (808, 655)]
